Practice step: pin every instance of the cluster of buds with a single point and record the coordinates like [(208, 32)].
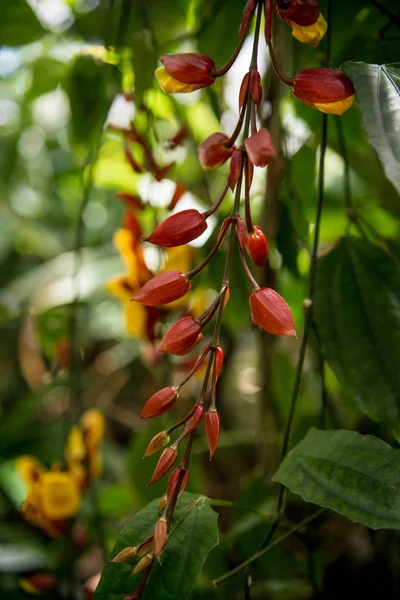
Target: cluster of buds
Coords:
[(247, 147)]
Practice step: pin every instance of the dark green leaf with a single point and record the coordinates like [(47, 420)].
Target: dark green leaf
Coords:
[(378, 97), (357, 312), (18, 24), (193, 534), (355, 475)]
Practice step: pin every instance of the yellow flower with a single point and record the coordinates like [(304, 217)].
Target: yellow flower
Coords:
[(336, 108), (59, 495), (29, 469), (169, 85), (310, 34), (92, 424)]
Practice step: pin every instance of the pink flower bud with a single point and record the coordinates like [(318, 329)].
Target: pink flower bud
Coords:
[(160, 403), (259, 148), (164, 288), (178, 229), (270, 311), (182, 337), (213, 152)]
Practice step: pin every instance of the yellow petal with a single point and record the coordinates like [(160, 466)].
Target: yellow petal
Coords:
[(92, 423), (172, 86), (136, 319), (336, 108), (60, 497), (199, 300), (29, 469), (121, 287), (95, 465), (179, 258), (310, 34), (75, 450)]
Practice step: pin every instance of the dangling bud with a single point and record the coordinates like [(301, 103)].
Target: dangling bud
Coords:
[(143, 563), (327, 90), (167, 459), (259, 148), (160, 403), (164, 288), (157, 443), (304, 17), (257, 246), (182, 337), (185, 72), (126, 554), (160, 535), (248, 12), (219, 360), (270, 311), (241, 233), (249, 169), (178, 229), (194, 420), (213, 152), (212, 423), (173, 482), (235, 168)]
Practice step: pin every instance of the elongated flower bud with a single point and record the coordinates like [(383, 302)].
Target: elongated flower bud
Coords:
[(194, 420), (126, 554), (185, 72), (178, 229), (173, 482), (164, 288), (167, 459), (157, 443), (213, 152), (257, 246), (182, 337), (160, 403), (143, 563), (325, 89), (212, 423), (248, 12), (160, 535), (259, 148), (241, 233), (219, 360), (304, 17), (270, 311), (235, 168), (146, 546)]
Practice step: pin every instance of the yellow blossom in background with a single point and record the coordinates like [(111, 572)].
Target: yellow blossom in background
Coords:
[(92, 425), (82, 450)]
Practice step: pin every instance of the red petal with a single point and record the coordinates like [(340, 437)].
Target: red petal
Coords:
[(248, 12), (243, 89), (181, 337), (235, 169), (257, 246), (219, 360), (255, 87), (241, 233), (301, 12), (164, 288), (159, 403), (270, 311), (259, 148), (213, 152), (178, 229)]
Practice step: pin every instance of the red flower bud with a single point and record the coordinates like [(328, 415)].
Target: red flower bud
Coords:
[(173, 482), (178, 229), (213, 152), (167, 459), (160, 535), (259, 148), (164, 288), (219, 360), (270, 311), (250, 172), (241, 233), (257, 246), (248, 12), (327, 90), (194, 420), (182, 337), (160, 403), (243, 89), (191, 67), (301, 12), (159, 441), (235, 168), (212, 423), (254, 86)]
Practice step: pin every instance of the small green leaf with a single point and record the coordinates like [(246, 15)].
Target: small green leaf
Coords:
[(378, 97), (355, 475), (193, 534), (357, 313), (18, 24)]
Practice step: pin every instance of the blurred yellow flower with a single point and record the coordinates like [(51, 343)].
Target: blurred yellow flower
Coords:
[(310, 34)]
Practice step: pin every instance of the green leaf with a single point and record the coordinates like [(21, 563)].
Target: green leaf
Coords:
[(194, 533), (357, 313), (378, 97), (18, 24), (355, 475)]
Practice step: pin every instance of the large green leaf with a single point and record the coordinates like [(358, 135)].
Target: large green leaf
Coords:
[(357, 312), (355, 475), (18, 24), (194, 533), (378, 97)]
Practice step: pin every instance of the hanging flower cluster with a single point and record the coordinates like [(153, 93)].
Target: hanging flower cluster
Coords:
[(54, 496), (324, 89)]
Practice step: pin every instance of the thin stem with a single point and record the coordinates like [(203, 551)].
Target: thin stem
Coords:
[(274, 62), (208, 314), (205, 262), (229, 64), (253, 63), (239, 124), (200, 359), (247, 207), (216, 204), (246, 269), (257, 555)]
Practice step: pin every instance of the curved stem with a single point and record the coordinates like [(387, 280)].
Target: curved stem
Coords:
[(216, 204), (205, 262), (282, 77), (246, 268)]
